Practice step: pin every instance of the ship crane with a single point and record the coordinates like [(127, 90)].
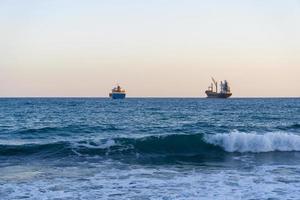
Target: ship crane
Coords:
[(216, 83)]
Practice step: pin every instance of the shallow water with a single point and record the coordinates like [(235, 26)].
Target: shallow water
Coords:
[(59, 148)]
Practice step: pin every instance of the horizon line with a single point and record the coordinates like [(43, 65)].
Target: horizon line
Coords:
[(144, 97)]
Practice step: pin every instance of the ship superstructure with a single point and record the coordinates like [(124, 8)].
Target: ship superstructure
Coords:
[(117, 93), (224, 90)]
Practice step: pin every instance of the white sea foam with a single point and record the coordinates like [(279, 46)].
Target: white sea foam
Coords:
[(102, 144), (104, 181), (254, 142)]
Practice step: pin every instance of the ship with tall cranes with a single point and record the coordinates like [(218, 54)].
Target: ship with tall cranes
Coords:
[(213, 92)]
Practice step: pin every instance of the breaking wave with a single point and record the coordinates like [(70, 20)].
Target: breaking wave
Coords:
[(171, 145), (253, 142)]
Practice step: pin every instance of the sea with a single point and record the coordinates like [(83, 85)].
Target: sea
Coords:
[(150, 148)]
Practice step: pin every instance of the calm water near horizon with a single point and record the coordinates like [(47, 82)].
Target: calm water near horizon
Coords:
[(149, 148)]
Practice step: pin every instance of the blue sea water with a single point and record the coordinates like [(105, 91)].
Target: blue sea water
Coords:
[(85, 148)]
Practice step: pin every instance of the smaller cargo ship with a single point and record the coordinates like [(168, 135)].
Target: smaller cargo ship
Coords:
[(117, 93), (224, 92)]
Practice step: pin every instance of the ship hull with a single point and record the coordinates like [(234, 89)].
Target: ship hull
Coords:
[(217, 95), (117, 95)]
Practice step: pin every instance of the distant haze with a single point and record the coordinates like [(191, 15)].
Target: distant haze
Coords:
[(155, 48)]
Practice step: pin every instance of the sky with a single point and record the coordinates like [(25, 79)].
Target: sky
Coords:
[(153, 48)]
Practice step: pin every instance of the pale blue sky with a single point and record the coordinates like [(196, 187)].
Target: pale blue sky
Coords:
[(153, 48)]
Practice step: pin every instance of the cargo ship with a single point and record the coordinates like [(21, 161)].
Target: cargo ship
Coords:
[(224, 91), (117, 93)]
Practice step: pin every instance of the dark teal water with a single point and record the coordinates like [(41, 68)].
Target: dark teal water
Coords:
[(149, 148)]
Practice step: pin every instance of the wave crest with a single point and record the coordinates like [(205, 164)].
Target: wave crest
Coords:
[(253, 142)]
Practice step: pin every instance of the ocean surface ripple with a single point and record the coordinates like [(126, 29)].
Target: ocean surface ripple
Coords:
[(97, 148)]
